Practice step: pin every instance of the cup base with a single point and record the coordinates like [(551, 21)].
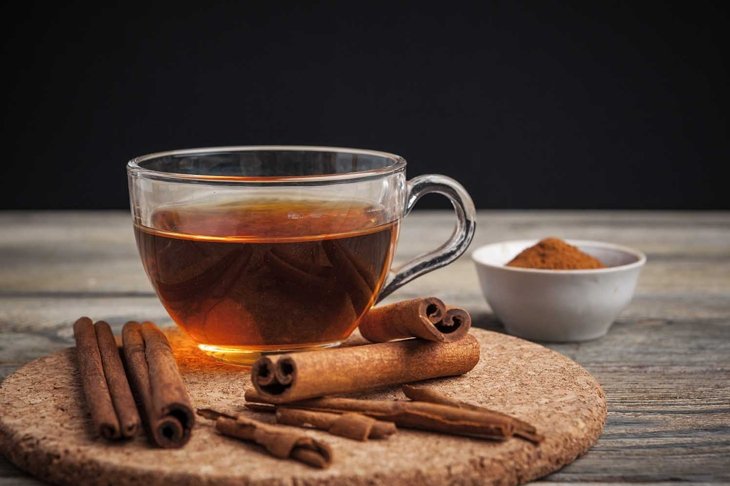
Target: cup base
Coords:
[(246, 357)]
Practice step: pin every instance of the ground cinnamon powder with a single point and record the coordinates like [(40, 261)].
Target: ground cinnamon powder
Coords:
[(555, 254)]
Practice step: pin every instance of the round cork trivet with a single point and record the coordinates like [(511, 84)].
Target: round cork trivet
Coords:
[(45, 427)]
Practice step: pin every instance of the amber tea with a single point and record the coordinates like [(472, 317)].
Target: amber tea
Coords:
[(267, 275)]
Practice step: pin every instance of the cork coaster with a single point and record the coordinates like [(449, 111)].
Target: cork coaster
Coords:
[(45, 428)]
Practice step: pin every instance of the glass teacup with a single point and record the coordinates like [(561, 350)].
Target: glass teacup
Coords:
[(279, 248)]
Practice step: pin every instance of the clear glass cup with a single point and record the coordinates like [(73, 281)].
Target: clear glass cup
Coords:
[(279, 248)]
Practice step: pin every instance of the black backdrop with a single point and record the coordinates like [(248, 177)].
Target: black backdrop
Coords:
[(529, 105)]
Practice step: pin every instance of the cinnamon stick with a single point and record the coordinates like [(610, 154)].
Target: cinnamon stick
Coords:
[(96, 391), (278, 441), (423, 394), (105, 384), (116, 379), (410, 414), (426, 318), (292, 377), (351, 425), (456, 323), (158, 385), (356, 426)]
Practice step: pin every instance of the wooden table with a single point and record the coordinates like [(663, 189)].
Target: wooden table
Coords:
[(665, 364)]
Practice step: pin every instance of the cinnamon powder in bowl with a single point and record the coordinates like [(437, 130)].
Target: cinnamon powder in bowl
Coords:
[(555, 254), (554, 290)]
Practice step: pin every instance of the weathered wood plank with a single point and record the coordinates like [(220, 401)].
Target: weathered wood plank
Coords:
[(665, 423), (64, 252), (665, 364), (18, 481), (114, 272), (43, 313), (644, 337)]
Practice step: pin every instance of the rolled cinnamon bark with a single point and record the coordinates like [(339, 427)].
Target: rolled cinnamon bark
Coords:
[(423, 394), (351, 425), (278, 441), (107, 391), (116, 379), (455, 324), (158, 385), (96, 390), (411, 414), (426, 318), (260, 407), (292, 377)]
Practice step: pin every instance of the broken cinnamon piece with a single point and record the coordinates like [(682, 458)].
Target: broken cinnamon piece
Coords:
[(292, 377), (426, 318), (351, 425), (261, 407), (158, 385), (105, 385), (410, 414), (423, 394), (280, 442)]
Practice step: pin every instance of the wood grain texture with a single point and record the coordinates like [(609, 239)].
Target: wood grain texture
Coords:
[(664, 365)]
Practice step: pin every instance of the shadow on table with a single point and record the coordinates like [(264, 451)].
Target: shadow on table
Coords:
[(488, 321)]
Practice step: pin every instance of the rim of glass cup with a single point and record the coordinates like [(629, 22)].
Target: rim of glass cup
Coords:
[(398, 164)]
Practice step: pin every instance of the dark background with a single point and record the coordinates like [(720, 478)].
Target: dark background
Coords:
[(528, 104)]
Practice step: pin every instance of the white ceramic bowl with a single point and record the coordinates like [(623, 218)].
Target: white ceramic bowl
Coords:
[(558, 305)]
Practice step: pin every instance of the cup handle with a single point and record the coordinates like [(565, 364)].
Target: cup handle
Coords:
[(456, 244)]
